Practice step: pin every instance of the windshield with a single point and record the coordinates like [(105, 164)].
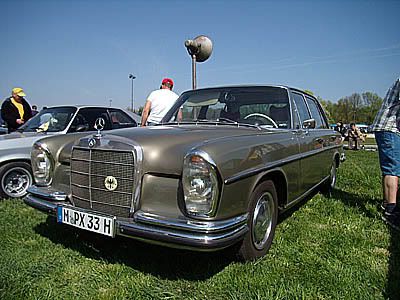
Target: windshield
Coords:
[(266, 107), (49, 120)]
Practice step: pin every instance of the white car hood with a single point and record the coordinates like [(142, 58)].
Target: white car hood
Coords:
[(18, 140)]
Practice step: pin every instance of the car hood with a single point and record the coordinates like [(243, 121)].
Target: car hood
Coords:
[(18, 140), (164, 147)]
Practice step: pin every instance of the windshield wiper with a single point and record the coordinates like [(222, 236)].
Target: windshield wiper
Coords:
[(227, 120), (223, 121)]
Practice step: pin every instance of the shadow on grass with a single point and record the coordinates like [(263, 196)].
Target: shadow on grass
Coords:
[(156, 260), (357, 201), (393, 280), (392, 291)]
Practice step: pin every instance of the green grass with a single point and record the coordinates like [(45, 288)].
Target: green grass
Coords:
[(327, 248), (370, 141)]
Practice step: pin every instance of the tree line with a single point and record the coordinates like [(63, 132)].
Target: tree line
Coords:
[(357, 108)]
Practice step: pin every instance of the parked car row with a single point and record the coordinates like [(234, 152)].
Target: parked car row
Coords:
[(217, 177)]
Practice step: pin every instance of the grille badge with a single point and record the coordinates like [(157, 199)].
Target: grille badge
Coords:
[(110, 183), (92, 142)]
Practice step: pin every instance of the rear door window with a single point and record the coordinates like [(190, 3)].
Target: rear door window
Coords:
[(316, 113), (120, 119), (301, 107)]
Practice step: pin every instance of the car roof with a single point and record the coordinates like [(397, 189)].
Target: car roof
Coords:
[(85, 106), (254, 86)]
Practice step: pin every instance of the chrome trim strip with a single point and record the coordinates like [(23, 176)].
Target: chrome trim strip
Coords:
[(179, 239), (98, 175), (104, 203), (191, 225), (99, 189), (41, 204), (102, 162), (99, 149), (90, 178), (49, 194), (51, 159), (137, 182), (268, 166), (203, 154)]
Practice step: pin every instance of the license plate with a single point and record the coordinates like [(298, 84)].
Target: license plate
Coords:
[(84, 220)]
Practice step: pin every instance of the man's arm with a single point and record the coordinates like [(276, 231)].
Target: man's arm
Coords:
[(6, 114), (145, 112), (180, 115)]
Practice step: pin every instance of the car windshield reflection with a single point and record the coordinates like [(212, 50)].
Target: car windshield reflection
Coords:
[(266, 107), (49, 120)]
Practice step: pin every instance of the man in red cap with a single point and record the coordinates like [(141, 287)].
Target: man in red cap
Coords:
[(158, 103)]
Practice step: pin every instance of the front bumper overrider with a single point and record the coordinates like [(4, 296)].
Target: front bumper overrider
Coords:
[(176, 233)]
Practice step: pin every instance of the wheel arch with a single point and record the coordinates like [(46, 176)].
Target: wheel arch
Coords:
[(21, 159), (278, 177)]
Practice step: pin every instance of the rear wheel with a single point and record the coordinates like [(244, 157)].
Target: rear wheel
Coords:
[(15, 178), (262, 220), (330, 184)]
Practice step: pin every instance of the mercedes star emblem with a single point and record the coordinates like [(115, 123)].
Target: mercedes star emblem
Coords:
[(110, 183), (99, 124), (92, 142)]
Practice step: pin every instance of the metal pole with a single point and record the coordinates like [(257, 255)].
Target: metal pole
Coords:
[(132, 94), (194, 79), (131, 77)]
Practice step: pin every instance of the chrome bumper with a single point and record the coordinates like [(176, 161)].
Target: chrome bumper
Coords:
[(176, 233)]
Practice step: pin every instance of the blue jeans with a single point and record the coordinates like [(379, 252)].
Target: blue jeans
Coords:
[(389, 152)]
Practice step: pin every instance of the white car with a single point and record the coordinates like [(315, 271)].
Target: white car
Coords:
[(15, 168)]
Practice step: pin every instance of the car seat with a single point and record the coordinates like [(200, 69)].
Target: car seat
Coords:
[(280, 114)]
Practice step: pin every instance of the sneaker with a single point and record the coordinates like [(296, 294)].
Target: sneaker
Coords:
[(392, 219), (382, 208)]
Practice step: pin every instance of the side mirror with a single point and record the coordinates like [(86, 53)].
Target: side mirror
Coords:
[(309, 124)]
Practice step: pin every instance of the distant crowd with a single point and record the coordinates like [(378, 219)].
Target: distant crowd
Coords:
[(352, 134)]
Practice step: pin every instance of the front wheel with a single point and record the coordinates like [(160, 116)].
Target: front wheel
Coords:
[(15, 178), (262, 220)]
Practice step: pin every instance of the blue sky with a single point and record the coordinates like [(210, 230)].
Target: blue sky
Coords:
[(81, 52)]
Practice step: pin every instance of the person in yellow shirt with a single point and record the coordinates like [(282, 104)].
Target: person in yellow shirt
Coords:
[(15, 110)]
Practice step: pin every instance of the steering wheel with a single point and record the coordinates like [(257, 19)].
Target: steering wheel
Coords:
[(268, 118)]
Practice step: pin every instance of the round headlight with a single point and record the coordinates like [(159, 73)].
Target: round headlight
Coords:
[(42, 166), (200, 185)]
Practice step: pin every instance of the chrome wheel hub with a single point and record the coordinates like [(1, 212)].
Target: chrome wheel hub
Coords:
[(333, 176), (262, 220), (16, 181)]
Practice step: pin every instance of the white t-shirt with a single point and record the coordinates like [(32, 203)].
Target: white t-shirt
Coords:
[(161, 102)]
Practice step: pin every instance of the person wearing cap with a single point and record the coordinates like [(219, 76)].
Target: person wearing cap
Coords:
[(158, 103), (15, 110)]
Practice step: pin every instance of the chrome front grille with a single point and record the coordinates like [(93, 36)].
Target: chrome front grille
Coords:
[(89, 169)]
